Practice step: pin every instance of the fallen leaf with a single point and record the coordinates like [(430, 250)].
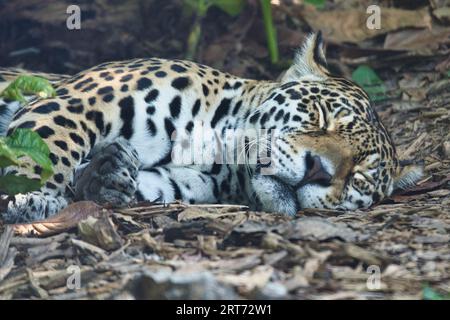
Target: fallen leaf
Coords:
[(442, 14), (423, 41), (350, 25), (64, 220), (100, 232), (192, 213), (190, 230), (250, 279), (364, 255), (248, 233), (321, 229)]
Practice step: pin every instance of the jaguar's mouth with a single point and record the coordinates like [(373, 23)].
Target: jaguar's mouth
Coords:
[(314, 173)]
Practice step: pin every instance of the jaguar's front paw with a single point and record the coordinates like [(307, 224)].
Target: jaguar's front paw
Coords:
[(111, 175), (33, 206)]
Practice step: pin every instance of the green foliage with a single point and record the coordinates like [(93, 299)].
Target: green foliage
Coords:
[(21, 143), (319, 4), (12, 184), (366, 77), (233, 8), (200, 8), (28, 85), (429, 293), (271, 33), (24, 142), (193, 40)]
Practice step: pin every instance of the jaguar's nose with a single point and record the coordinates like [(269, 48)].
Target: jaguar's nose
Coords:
[(315, 172)]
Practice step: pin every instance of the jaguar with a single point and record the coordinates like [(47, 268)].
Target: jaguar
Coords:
[(114, 132)]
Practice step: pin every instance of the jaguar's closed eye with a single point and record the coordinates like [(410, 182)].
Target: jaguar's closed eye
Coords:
[(316, 133), (364, 177), (342, 112)]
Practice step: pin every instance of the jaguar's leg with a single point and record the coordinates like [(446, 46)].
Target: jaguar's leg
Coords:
[(68, 142), (166, 184), (111, 175), (33, 206), (274, 196), (30, 206)]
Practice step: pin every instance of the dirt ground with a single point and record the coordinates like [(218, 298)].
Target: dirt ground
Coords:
[(395, 250)]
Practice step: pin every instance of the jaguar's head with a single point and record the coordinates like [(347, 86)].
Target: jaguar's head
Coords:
[(330, 149)]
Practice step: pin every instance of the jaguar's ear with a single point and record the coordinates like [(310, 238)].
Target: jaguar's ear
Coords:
[(408, 175), (309, 61)]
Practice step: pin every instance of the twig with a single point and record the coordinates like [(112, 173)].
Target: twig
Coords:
[(8, 264), (38, 241), (5, 240), (90, 247), (34, 284)]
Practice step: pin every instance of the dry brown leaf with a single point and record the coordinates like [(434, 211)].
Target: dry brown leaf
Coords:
[(350, 25), (192, 213), (64, 220), (363, 255), (248, 280), (413, 147), (314, 229), (297, 280), (314, 263), (424, 41), (100, 232), (442, 14)]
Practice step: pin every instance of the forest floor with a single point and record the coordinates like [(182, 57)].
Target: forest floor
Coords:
[(395, 250)]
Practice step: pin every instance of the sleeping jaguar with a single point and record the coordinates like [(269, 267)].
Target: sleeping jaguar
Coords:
[(115, 133)]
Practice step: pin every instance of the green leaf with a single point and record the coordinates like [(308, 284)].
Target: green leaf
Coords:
[(319, 4), (12, 184), (232, 7), (200, 7), (193, 40), (24, 142), (366, 77), (28, 85), (7, 156), (6, 161), (429, 293), (13, 93)]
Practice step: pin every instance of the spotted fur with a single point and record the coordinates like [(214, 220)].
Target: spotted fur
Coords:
[(147, 102)]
